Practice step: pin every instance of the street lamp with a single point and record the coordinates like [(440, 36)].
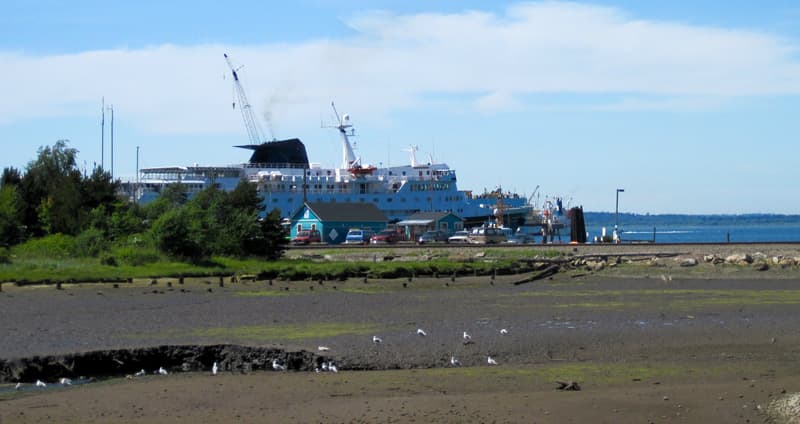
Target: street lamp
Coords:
[(616, 213)]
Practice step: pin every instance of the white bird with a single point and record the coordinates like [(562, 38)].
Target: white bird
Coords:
[(467, 337), (324, 366), (332, 367), (491, 361), (323, 348), (277, 366), (162, 371), (376, 339), (503, 331), (455, 362), (18, 386), (65, 381), (421, 332), (214, 369), (40, 383), (140, 373)]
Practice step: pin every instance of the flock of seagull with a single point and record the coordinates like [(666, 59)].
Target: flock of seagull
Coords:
[(453, 360), (327, 366)]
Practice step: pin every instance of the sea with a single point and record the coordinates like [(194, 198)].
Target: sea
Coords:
[(749, 228)]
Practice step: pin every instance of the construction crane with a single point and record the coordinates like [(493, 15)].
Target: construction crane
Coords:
[(253, 130)]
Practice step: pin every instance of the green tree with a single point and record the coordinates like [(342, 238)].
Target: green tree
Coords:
[(51, 190), (175, 236), (11, 215), (11, 176)]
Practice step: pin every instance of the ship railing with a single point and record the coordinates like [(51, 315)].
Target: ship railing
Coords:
[(275, 165)]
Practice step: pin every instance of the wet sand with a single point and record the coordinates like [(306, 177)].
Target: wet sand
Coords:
[(646, 342)]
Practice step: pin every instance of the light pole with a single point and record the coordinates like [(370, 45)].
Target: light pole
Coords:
[(616, 213)]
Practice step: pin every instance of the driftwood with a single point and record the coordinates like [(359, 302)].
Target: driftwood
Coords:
[(547, 272), (568, 385)]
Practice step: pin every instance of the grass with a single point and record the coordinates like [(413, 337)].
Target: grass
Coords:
[(269, 333), (676, 299)]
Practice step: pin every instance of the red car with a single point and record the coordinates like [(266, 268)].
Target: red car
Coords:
[(307, 236), (385, 236)]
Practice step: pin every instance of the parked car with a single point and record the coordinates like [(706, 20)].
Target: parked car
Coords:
[(307, 236), (385, 236), (459, 237), (358, 236), (432, 236), (487, 235)]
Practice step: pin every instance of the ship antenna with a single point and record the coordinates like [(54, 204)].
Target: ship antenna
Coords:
[(343, 125)]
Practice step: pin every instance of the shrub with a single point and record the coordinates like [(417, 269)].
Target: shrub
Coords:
[(55, 246), (135, 256), (108, 259), (5, 256), (91, 242)]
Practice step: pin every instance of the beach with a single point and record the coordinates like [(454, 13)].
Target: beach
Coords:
[(647, 338)]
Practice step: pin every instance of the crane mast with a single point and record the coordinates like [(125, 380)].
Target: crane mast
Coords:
[(253, 130)]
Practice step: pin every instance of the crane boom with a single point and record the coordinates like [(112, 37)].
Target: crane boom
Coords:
[(253, 130)]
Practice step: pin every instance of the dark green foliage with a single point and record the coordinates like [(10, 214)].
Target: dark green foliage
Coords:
[(174, 235), (11, 215), (11, 176), (5, 256)]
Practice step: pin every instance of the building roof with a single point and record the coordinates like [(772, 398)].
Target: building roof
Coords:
[(429, 216), (352, 212)]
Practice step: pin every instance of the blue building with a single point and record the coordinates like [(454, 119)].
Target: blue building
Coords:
[(420, 222), (333, 220)]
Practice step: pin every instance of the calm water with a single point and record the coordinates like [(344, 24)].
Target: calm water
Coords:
[(712, 233)]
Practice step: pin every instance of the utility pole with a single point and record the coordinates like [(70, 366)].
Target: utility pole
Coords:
[(102, 131), (616, 213), (136, 189), (112, 142)]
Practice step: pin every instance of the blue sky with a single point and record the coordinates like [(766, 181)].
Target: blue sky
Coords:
[(690, 106)]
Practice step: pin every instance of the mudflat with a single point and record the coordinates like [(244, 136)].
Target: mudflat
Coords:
[(646, 340)]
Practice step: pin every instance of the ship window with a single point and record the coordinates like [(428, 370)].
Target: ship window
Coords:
[(388, 200), (375, 200), (404, 173)]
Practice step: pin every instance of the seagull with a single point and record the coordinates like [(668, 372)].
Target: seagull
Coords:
[(324, 366), (332, 367), (277, 366), (162, 371), (65, 381), (323, 348), (376, 339), (455, 362), (214, 369), (140, 373), (421, 332), (40, 383), (491, 361), (18, 386), (503, 331), (467, 337)]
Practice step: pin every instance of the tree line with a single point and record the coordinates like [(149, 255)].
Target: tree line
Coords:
[(53, 198)]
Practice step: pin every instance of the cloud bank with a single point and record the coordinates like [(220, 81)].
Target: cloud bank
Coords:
[(494, 60)]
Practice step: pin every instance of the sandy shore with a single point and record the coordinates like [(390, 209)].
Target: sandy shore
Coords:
[(649, 341)]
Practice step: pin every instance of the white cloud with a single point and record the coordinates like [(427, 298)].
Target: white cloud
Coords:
[(395, 60)]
